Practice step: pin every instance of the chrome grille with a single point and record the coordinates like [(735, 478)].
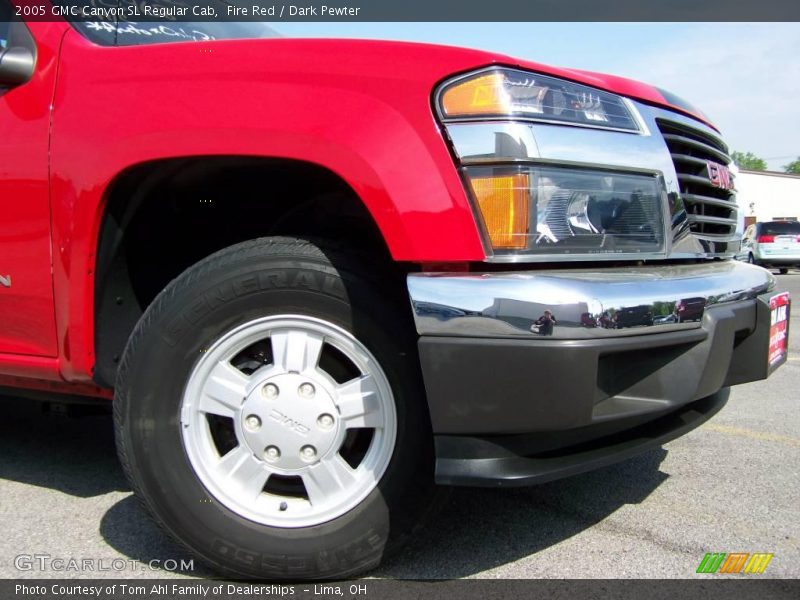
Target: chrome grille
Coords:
[(711, 210)]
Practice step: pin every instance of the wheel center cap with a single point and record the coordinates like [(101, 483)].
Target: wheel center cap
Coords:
[(289, 421)]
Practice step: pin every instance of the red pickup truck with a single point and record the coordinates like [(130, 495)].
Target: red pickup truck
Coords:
[(319, 277)]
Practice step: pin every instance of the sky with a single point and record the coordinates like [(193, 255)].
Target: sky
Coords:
[(744, 76)]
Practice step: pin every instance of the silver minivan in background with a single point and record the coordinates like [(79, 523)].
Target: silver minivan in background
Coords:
[(772, 244)]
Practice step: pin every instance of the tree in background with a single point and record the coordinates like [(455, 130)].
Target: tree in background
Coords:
[(749, 161), (793, 167)]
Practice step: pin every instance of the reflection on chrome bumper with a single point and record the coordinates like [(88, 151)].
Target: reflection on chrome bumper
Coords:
[(583, 303)]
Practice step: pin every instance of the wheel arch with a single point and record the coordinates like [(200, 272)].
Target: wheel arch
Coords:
[(161, 216)]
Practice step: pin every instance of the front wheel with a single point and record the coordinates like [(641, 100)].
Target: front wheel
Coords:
[(270, 421), (783, 270)]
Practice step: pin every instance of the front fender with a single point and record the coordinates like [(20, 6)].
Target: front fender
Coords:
[(335, 106)]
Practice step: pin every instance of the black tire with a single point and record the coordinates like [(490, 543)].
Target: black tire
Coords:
[(783, 270), (212, 297)]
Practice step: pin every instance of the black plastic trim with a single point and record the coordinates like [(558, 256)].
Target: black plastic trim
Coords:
[(520, 412), (521, 471), (498, 386)]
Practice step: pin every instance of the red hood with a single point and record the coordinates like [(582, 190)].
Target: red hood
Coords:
[(422, 62), (430, 58), (433, 57)]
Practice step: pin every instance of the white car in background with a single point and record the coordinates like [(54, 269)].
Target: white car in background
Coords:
[(772, 244)]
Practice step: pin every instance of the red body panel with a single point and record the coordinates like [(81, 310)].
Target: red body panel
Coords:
[(360, 109), (27, 324)]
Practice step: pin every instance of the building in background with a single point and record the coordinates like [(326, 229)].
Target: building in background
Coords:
[(767, 196)]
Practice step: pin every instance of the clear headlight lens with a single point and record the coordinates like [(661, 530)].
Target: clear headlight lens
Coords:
[(503, 92), (587, 214)]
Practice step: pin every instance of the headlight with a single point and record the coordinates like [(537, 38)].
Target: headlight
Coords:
[(544, 211), (508, 93)]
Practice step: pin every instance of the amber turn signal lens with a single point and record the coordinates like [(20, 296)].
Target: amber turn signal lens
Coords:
[(483, 95), (504, 203)]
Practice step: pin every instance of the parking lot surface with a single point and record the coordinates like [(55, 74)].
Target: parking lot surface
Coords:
[(729, 486)]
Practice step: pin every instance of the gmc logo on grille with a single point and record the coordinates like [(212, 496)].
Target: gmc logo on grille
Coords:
[(719, 175)]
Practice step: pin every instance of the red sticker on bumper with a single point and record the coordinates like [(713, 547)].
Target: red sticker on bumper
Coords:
[(779, 329)]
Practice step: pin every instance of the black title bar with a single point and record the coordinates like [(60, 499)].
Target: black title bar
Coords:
[(408, 10)]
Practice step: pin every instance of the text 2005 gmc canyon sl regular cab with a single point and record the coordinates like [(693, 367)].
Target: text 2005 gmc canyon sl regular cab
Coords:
[(319, 277)]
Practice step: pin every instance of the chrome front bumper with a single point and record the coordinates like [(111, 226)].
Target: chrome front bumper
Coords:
[(587, 304)]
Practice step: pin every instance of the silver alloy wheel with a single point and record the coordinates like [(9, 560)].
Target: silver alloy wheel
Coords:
[(291, 421)]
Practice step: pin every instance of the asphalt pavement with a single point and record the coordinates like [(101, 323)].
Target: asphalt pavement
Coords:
[(730, 486)]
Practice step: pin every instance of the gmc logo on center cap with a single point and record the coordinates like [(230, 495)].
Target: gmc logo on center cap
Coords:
[(287, 421), (719, 175)]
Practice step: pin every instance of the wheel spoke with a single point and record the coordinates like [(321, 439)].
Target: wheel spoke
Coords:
[(224, 391), (296, 351), (327, 478), (359, 404), (243, 471)]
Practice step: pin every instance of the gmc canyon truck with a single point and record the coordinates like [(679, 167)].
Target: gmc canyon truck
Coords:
[(320, 277)]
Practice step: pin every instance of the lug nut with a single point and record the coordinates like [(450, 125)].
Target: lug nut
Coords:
[(271, 453), (306, 390), (270, 391), (325, 421), (252, 422), (308, 453)]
